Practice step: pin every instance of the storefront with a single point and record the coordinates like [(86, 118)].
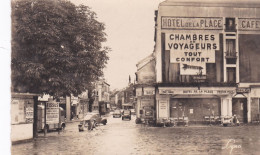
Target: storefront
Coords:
[(195, 104), (207, 60), (145, 105)]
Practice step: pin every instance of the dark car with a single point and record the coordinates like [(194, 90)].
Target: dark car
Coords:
[(90, 121), (117, 113), (126, 114)]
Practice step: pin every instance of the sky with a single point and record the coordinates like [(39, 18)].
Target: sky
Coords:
[(130, 35)]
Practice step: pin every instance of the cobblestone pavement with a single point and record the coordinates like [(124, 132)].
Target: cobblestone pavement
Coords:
[(126, 137)]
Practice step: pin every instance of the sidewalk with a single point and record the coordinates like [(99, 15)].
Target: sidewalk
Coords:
[(73, 120)]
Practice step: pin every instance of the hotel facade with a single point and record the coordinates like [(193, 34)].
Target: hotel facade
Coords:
[(206, 61)]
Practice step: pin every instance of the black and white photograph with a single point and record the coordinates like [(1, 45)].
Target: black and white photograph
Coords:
[(124, 77)]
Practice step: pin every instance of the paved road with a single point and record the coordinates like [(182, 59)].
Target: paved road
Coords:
[(126, 137)]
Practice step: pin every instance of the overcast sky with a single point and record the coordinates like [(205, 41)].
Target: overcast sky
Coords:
[(130, 34)]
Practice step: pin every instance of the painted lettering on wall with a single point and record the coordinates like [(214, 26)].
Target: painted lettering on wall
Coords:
[(201, 23), (249, 24), (192, 50)]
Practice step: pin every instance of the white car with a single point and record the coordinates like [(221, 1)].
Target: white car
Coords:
[(228, 120)]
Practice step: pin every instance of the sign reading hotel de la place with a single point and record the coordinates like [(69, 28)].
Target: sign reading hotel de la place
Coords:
[(192, 48)]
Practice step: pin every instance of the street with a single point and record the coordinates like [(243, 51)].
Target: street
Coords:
[(126, 137)]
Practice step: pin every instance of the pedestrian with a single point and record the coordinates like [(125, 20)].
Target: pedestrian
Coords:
[(72, 115), (235, 120)]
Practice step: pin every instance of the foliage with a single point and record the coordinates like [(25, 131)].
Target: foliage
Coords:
[(56, 47)]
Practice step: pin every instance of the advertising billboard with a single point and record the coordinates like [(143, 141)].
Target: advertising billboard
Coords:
[(52, 112), (192, 50)]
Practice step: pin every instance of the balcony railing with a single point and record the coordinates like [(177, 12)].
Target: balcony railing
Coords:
[(231, 54)]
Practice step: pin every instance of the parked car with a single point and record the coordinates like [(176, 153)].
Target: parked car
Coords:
[(117, 113), (90, 121), (133, 111), (227, 121), (126, 114)]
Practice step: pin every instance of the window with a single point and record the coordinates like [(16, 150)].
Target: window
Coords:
[(231, 74), (230, 48), (230, 24)]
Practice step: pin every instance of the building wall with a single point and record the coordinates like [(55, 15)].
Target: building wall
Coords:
[(184, 10), (146, 74), (233, 55), (21, 132)]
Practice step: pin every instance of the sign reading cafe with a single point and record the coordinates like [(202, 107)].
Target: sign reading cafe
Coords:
[(192, 49)]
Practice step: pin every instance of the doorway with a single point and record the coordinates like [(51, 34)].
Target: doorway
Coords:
[(239, 108)]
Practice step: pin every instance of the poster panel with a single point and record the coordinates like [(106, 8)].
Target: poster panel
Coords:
[(163, 108), (52, 112)]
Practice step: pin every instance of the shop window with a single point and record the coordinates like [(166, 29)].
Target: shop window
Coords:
[(230, 24), (231, 74)]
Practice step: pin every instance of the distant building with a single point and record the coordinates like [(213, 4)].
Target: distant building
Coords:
[(145, 88), (102, 100)]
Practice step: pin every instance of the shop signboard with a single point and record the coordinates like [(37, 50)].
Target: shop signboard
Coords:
[(241, 90), (192, 50), (249, 24), (164, 91), (52, 112), (163, 110), (192, 23)]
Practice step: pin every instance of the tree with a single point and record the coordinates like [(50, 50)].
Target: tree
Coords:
[(56, 47)]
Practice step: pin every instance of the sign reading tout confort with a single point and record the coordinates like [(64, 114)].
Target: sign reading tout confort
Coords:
[(198, 23), (192, 48)]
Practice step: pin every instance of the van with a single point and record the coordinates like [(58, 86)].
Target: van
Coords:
[(54, 126)]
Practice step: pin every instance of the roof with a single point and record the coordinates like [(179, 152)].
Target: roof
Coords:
[(214, 3), (145, 61)]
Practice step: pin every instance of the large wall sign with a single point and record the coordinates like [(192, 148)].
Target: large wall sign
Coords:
[(252, 24), (192, 50), (198, 23)]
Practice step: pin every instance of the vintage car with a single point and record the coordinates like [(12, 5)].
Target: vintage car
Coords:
[(230, 121), (126, 114), (227, 121), (90, 121), (117, 113), (133, 111)]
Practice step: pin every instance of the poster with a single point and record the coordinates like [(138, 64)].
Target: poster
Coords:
[(163, 108), (52, 112)]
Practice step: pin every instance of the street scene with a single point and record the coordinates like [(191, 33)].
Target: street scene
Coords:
[(132, 77), (125, 137)]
